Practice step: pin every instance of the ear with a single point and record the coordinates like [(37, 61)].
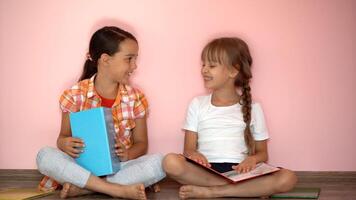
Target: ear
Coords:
[(233, 72), (104, 58)]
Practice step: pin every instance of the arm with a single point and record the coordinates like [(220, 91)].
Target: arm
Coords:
[(65, 129), (261, 151), (140, 142), (190, 142), (65, 141), (250, 162), (190, 148)]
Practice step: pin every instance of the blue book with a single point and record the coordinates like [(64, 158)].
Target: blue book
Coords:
[(96, 128)]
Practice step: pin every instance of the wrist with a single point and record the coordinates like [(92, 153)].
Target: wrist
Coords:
[(189, 152), (59, 143), (254, 159)]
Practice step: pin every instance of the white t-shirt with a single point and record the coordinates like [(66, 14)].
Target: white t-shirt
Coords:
[(221, 129)]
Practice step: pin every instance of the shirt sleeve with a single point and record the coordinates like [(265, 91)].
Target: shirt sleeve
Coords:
[(67, 102), (258, 125), (191, 120), (141, 105)]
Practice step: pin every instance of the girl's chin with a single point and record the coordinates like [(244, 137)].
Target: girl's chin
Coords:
[(209, 87), (124, 81)]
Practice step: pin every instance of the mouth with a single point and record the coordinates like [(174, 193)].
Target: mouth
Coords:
[(130, 73), (207, 78)]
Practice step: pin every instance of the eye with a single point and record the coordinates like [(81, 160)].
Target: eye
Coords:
[(212, 66)]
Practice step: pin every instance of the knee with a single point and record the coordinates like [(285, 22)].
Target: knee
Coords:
[(156, 160), (173, 164), (286, 181), (43, 159)]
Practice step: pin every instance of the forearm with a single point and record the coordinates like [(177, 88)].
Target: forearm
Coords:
[(189, 151), (137, 149)]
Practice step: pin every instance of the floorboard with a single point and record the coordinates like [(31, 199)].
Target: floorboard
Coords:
[(334, 185)]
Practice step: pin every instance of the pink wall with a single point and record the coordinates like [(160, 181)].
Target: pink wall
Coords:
[(304, 70)]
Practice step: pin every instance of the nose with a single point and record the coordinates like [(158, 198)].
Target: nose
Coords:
[(204, 70), (133, 65)]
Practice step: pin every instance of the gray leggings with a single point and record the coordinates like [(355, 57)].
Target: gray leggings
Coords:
[(61, 167)]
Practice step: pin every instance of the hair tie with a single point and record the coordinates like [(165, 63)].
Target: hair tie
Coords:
[(89, 57)]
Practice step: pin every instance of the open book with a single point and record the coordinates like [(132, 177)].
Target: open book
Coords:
[(234, 177)]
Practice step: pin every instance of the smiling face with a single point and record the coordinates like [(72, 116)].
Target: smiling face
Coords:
[(122, 64), (217, 75)]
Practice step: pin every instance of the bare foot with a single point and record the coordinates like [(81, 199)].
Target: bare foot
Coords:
[(136, 191), (155, 188), (191, 191), (70, 190)]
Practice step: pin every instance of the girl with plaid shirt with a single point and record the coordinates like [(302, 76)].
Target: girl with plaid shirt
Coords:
[(105, 82), (225, 130)]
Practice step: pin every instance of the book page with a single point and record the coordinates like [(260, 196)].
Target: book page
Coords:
[(261, 169)]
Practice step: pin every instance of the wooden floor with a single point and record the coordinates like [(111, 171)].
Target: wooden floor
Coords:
[(334, 185)]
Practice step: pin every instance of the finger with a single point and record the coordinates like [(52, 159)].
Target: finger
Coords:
[(239, 169), (119, 151), (245, 170), (75, 151), (73, 155), (120, 154), (78, 144), (78, 140), (206, 162), (119, 144)]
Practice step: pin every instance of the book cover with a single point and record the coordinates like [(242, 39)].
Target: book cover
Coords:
[(234, 177), (22, 193), (299, 193), (96, 128)]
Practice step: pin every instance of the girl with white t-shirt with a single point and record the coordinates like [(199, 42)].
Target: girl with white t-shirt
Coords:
[(225, 130)]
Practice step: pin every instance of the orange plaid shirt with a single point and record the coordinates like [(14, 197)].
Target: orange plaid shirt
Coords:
[(130, 104)]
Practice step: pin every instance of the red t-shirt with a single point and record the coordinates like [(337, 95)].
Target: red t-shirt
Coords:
[(107, 102)]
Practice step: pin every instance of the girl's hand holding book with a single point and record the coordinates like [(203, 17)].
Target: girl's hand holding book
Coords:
[(245, 166), (121, 151), (70, 145), (199, 158)]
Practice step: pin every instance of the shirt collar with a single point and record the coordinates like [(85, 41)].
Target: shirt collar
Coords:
[(91, 89), (122, 95)]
